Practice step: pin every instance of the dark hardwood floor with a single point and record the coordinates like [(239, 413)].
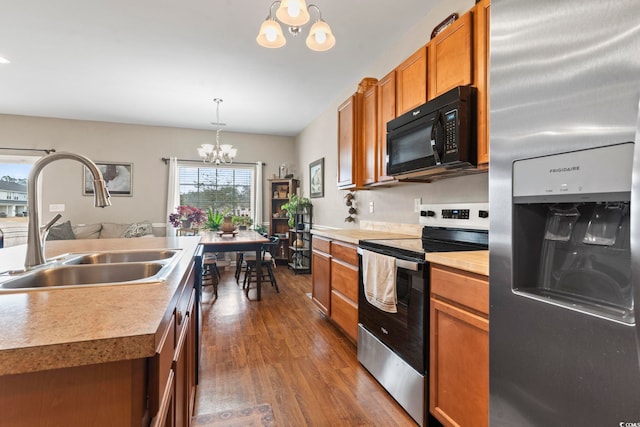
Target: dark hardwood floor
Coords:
[(283, 352)]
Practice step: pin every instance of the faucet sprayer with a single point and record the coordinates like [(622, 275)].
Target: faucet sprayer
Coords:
[(35, 239)]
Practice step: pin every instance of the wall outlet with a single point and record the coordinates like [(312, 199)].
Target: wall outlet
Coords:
[(56, 207), (370, 207), (416, 204)]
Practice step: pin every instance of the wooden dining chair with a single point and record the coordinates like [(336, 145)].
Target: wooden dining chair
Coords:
[(268, 264), (211, 274)]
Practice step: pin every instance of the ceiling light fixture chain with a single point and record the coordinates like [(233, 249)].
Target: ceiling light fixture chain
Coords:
[(295, 14), (217, 154)]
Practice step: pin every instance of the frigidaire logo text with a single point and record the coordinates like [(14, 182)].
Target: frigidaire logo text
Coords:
[(560, 170)]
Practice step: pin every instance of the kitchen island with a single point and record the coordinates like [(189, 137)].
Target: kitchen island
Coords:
[(93, 355)]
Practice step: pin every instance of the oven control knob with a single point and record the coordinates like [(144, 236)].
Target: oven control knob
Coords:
[(427, 213), (483, 214)]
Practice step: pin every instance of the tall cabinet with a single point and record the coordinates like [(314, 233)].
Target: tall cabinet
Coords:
[(278, 223)]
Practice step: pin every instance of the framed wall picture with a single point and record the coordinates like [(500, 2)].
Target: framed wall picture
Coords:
[(117, 176), (316, 178)]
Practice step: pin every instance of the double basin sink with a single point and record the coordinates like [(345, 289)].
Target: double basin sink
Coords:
[(98, 269)]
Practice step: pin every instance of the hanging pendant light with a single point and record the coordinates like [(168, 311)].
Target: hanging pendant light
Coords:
[(270, 34), (295, 14), (320, 37), (217, 154)]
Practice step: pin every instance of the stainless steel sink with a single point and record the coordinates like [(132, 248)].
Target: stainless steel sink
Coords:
[(123, 256), (97, 269), (67, 275)]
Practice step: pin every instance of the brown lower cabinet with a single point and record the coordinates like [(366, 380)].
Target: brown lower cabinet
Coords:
[(172, 374), (335, 283), (321, 273), (156, 391), (459, 347)]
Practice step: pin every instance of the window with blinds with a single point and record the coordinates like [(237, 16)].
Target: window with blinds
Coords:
[(217, 187)]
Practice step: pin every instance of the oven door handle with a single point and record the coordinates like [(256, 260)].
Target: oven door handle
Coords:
[(408, 265), (403, 263)]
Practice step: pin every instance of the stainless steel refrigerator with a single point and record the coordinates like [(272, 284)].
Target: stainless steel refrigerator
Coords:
[(564, 191)]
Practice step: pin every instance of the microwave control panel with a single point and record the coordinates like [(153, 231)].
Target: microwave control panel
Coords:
[(450, 137)]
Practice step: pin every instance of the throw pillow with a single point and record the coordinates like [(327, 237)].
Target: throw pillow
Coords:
[(113, 231), (87, 231), (61, 232), (139, 229)]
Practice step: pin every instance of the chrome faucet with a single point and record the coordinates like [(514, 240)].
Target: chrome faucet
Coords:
[(36, 238)]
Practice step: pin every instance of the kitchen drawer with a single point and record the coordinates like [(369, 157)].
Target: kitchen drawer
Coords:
[(345, 252), (344, 313), (160, 367), (321, 244), (467, 289), (344, 279)]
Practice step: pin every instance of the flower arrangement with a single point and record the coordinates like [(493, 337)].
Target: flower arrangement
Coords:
[(186, 213)]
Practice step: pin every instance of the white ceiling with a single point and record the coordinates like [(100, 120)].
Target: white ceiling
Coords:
[(162, 62)]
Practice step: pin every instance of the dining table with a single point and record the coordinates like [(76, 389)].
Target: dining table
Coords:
[(238, 241)]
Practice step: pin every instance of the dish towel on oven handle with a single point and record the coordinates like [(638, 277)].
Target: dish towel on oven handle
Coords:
[(379, 279)]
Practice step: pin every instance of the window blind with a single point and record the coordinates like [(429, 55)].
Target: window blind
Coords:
[(217, 187)]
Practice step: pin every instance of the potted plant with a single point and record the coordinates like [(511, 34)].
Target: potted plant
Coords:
[(214, 219), (295, 205), (186, 217), (261, 229), (242, 221)]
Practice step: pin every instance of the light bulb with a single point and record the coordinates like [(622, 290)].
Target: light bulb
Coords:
[(270, 33), (321, 36), (294, 9)]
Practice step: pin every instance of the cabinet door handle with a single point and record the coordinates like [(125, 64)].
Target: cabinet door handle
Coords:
[(179, 317)]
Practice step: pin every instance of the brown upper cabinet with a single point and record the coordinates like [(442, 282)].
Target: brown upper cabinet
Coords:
[(481, 13), (451, 57), (370, 135), (457, 56), (347, 159), (350, 133), (386, 112), (411, 82)]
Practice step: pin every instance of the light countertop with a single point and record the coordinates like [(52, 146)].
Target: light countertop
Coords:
[(474, 261), (57, 328), (354, 235)]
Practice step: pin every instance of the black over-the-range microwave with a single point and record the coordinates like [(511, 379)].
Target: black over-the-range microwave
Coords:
[(436, 139)]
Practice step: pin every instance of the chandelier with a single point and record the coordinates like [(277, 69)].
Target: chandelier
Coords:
[(217, 154), (295, 14)]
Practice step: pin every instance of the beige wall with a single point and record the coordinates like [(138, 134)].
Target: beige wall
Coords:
[(143, 146), (391, 204)]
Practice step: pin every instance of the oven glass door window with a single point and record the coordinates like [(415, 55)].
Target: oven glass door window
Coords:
[(404, 279)]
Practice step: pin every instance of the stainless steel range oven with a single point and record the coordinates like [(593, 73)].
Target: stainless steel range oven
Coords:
[(394, 346)]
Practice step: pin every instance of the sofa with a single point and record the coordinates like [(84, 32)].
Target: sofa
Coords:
[(105, 230), (12, 234)]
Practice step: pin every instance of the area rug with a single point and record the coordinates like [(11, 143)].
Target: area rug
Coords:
[(258, 416)]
